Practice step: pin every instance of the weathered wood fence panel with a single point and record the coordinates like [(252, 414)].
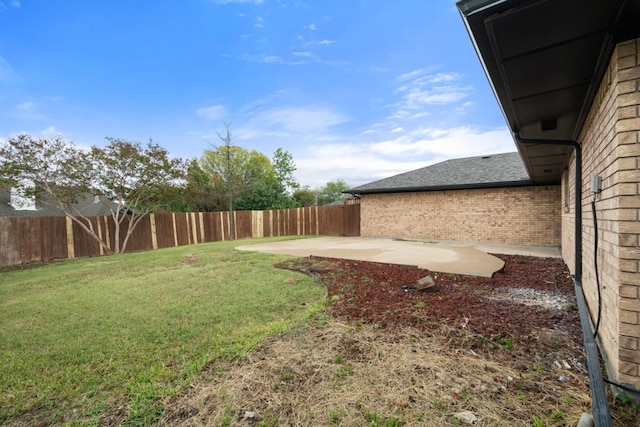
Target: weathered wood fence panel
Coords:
[(330, 221), (165, 231), (213, 224), (41, 239), (54, 240), (351, 220), (80, 243), (24, 240), (141, 238), (242, 224)]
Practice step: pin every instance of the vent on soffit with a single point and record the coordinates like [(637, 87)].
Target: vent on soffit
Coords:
[(550, 123)]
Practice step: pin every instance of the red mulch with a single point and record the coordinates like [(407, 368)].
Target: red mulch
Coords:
[(381, 294)]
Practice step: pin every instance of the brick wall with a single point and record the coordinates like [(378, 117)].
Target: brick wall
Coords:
[(524, 215), (568, 219), (611, 149)]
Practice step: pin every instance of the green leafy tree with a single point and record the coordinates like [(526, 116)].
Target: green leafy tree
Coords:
[(331, 192), (304, 196), (247, 180), (126, 177), (272, 186), (234, 170), (264, 196), (171, 198), (284, 167), (201, 191), (263, 189), (132, 176)]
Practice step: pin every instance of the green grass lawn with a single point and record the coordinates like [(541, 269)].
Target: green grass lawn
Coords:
[(82, 336)]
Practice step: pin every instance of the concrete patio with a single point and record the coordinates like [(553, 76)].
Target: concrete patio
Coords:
[(466, 258)]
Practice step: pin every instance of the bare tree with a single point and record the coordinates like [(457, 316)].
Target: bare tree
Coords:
[(227, 165)]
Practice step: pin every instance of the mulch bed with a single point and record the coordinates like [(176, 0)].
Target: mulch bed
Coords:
[(529, 298)]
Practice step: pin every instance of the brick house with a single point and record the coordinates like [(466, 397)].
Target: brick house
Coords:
[(483, 199), (566, 74)]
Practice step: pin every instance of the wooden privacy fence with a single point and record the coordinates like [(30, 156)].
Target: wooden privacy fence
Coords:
[(41, 239)]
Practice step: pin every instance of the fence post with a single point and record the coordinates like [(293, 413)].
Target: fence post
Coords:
[(71, 253), (154, 235), (107, 234), (201, 220), (221, 215), (194, 229), (175, 229), (235, 226), (257, 224)]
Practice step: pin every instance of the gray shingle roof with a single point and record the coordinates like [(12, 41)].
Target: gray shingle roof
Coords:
[(86, 205), (495, 170)]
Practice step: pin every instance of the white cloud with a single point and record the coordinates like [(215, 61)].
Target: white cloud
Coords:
[(316, 43), (7, 74), (419, 90), (331, 162), (269, 59), (447, 143), (12, 3), (442, 77), (437, 95), (367, 161), (410, 75), (26, 106), (28, 110), (303, 54), (291, 121), (372, 69), (214, 112), (50, 131), (311, 27)]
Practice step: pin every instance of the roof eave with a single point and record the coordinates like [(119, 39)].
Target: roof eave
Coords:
[(543, 106), (522, 183)]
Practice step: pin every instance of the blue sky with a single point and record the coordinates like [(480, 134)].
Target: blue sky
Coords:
[(356, 90)]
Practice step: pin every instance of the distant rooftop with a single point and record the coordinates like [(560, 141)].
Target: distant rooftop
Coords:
[(87, 205), (495, 170)]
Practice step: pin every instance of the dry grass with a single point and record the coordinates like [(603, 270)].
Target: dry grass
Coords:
[(333, 373)]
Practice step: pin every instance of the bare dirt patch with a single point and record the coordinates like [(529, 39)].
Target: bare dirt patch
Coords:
[(189, 260), (506, 350)]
